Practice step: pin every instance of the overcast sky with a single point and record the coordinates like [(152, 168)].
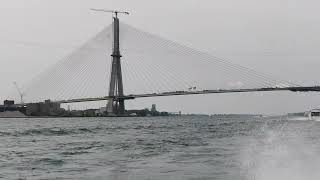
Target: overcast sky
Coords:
[(277, 37)]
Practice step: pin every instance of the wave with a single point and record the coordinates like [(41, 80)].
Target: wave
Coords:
[(55, 131), (49, 161)]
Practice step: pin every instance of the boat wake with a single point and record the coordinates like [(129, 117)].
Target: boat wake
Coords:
[(279, 155), (298, 118)]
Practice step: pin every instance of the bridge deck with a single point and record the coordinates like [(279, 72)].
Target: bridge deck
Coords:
[(181, 93)]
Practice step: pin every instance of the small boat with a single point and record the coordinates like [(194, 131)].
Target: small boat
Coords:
[(314, 115)]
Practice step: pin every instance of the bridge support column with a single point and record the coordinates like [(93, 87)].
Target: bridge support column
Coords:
[(116, 105)]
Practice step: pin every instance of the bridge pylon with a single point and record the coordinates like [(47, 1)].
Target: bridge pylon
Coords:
[(116, 105)]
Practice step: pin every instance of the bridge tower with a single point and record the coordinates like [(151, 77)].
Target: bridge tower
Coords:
[(116, 105)]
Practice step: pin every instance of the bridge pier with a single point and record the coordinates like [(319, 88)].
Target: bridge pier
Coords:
[(116, 107)]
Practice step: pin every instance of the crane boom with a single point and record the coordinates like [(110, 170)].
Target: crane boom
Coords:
[(115, 12), (21, 94)]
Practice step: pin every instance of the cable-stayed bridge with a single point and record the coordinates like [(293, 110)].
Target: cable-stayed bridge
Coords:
[(148, 66)]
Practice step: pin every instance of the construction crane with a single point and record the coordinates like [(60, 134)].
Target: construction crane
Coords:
[(114, 12), (21, 94)]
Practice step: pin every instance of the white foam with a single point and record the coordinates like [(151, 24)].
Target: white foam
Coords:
[(281, 156)]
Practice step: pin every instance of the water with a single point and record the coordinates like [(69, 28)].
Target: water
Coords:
[(195, 148)]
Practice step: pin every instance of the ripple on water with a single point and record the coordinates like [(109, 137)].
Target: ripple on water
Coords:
[(49, 162), (54, 131)]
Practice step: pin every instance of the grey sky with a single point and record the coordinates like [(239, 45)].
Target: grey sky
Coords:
[(277, 37)]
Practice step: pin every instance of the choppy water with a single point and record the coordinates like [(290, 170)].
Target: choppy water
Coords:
[(195, 148)]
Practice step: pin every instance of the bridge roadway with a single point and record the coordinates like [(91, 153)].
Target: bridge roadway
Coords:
[(181, 93)]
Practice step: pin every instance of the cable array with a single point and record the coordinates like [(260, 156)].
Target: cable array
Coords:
[(150, 64)]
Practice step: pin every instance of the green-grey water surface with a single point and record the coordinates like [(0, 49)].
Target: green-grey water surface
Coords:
[(186, 147)]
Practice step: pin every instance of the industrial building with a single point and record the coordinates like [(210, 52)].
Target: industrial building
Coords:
[(46, 108)]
